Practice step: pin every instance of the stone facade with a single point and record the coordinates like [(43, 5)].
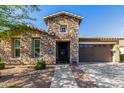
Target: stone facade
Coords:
[(116, 54), (26, 54), (48, 41), (70, 35)]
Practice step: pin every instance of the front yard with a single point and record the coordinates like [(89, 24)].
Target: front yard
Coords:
[(26, 77), (85, 75)]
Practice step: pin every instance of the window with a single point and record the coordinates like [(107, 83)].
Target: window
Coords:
[(85, 46), (16, 47), (82, 46), (63, 28), (36, 47)]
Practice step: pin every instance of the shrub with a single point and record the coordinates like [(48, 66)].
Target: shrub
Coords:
[(12, 86), (122, 57), (0, 74), (41, 64), (0, 59), (2, 65)]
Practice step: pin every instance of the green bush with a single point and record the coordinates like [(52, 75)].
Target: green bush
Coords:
[(0, 74), (2, 65), (12, 86), (122, 57), (41, 64)]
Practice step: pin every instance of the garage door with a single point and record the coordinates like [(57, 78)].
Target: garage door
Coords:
[(95, 53)]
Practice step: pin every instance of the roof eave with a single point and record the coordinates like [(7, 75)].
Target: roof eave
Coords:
[(63, 13)]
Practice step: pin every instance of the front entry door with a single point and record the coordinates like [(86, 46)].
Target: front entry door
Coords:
[(63, 52)]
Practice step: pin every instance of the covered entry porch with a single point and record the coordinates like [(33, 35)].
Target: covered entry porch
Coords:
[(63, 52)]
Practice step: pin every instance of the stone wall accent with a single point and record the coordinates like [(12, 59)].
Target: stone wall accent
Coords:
[(26, 57), (48, 42), (70, 35), (116, 53)]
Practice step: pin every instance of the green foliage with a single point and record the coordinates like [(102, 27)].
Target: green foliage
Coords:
[(0, 59), (2, 65), (12, 86), (12, 16), (15, 30), (122, 57), (41, 64), (0, 74)]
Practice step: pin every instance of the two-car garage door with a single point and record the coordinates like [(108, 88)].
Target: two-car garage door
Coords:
[(95, 53)]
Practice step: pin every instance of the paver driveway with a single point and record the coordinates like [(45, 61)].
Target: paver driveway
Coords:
[(63, 77), (105, 75)]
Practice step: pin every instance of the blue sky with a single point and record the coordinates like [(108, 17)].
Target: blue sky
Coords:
[(99, 21)]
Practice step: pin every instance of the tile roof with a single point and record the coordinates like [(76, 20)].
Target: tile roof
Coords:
[(101, 38)]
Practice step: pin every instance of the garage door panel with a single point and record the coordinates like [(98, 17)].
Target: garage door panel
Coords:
[(96, 53)]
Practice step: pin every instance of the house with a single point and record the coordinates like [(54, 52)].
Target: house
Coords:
[(121, 46), (60, 44)]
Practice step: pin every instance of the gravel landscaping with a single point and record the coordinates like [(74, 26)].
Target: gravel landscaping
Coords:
[(26, 77), (105, 75)]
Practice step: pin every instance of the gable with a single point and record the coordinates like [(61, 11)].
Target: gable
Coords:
[(62, 14)]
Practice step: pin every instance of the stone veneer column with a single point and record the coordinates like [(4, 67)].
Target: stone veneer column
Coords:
[(116, 54), (74, 52)]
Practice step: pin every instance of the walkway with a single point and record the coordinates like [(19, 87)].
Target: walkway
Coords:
[(63, 77)]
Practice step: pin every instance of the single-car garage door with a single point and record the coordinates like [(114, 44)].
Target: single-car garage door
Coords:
[(95, 53)]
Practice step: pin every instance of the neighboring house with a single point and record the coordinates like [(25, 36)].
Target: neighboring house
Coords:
[(60, 44)]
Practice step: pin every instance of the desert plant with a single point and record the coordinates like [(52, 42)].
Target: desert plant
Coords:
[(122, 57), (40, 64), (2, 65)]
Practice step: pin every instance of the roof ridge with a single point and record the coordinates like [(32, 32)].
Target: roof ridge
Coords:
[(98, 37), (102, 38), (63, 12)]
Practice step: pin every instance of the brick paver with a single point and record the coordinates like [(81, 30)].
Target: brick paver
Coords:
[(105, 75), (63, 77)]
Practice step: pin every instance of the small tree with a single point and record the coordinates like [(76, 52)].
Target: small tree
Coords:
[(13, 18), (11, 15)]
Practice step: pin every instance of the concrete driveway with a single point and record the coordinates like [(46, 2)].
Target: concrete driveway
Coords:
[(105, 75)]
